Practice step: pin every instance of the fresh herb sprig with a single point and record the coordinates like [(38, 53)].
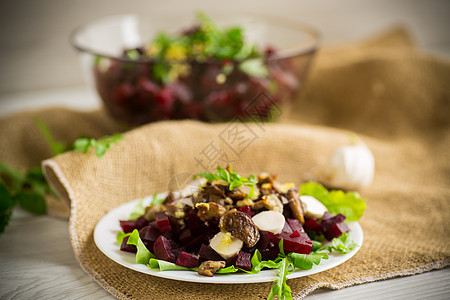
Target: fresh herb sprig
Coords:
[(101, 145), (232, 178), (29, 189)]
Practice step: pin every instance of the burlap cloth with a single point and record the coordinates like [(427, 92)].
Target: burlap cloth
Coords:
[(395, 98)]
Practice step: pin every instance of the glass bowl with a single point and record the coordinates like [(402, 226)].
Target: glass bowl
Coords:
[(133, 97)]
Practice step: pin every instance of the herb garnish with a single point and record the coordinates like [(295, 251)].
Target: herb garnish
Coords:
[(232, 178), (29, 189)]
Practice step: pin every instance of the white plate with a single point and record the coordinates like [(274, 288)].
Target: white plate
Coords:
[(105, 238)]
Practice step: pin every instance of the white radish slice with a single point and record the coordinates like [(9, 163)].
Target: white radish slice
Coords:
[(226, 245), (314, 208), (272, 221)]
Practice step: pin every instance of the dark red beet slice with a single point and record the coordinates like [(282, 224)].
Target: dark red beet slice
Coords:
[(313, 225), (194, 245), (287, 228), (295, 225), (163, 249), (153, 224), (163, 222), (264, 239), (301, 244), (178, 251), (149, 233), (271, 252), (126, 247), (208, 253), (187, 260), (213, 225), (231, 261), (194, 223), (128, 226), (295, 234), (185, 236), (328, 221), (336, 230), (243, 261), (246, 209), (141, 222)]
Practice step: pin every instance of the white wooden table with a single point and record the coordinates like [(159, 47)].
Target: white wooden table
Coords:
[(39, 69)]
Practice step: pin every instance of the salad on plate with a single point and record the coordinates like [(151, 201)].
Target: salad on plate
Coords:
[(235, 224)]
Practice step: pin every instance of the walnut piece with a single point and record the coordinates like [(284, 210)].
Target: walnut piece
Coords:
[(210, 210), (210, 267)]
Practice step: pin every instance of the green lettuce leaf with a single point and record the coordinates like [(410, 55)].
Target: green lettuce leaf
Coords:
[(306, 262), (163, 265), (281, 288), (142, 255), (343, 244), (138, 210), (350, 204), (227, 270), (120, 236)]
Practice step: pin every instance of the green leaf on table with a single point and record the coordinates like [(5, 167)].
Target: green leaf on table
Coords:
[(163, 265), (6, 206), (142, 255), (31, 202), (13, 178), (101, 145), (57, 147), (350, 204)]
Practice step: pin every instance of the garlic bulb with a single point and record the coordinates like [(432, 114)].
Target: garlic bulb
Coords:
[(350, 167)]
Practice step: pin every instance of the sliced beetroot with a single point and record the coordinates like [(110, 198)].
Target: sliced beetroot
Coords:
[(208, 253), (313, 225), (295, 225), (287, 228), (270, 252), (194, 244), (301, 244), (127, 247), (230, 261), (149, 233), (246, 209), (336, 230), (328, 221), (264, 239), (194, 223), (149, 245), (243, 261), (185, 236), (163, 249), (153, 224), (141, 222), (177, 251), (295, 234), (187, 260), (163, 222), (213, 225), (175, 226), (128, 226)]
